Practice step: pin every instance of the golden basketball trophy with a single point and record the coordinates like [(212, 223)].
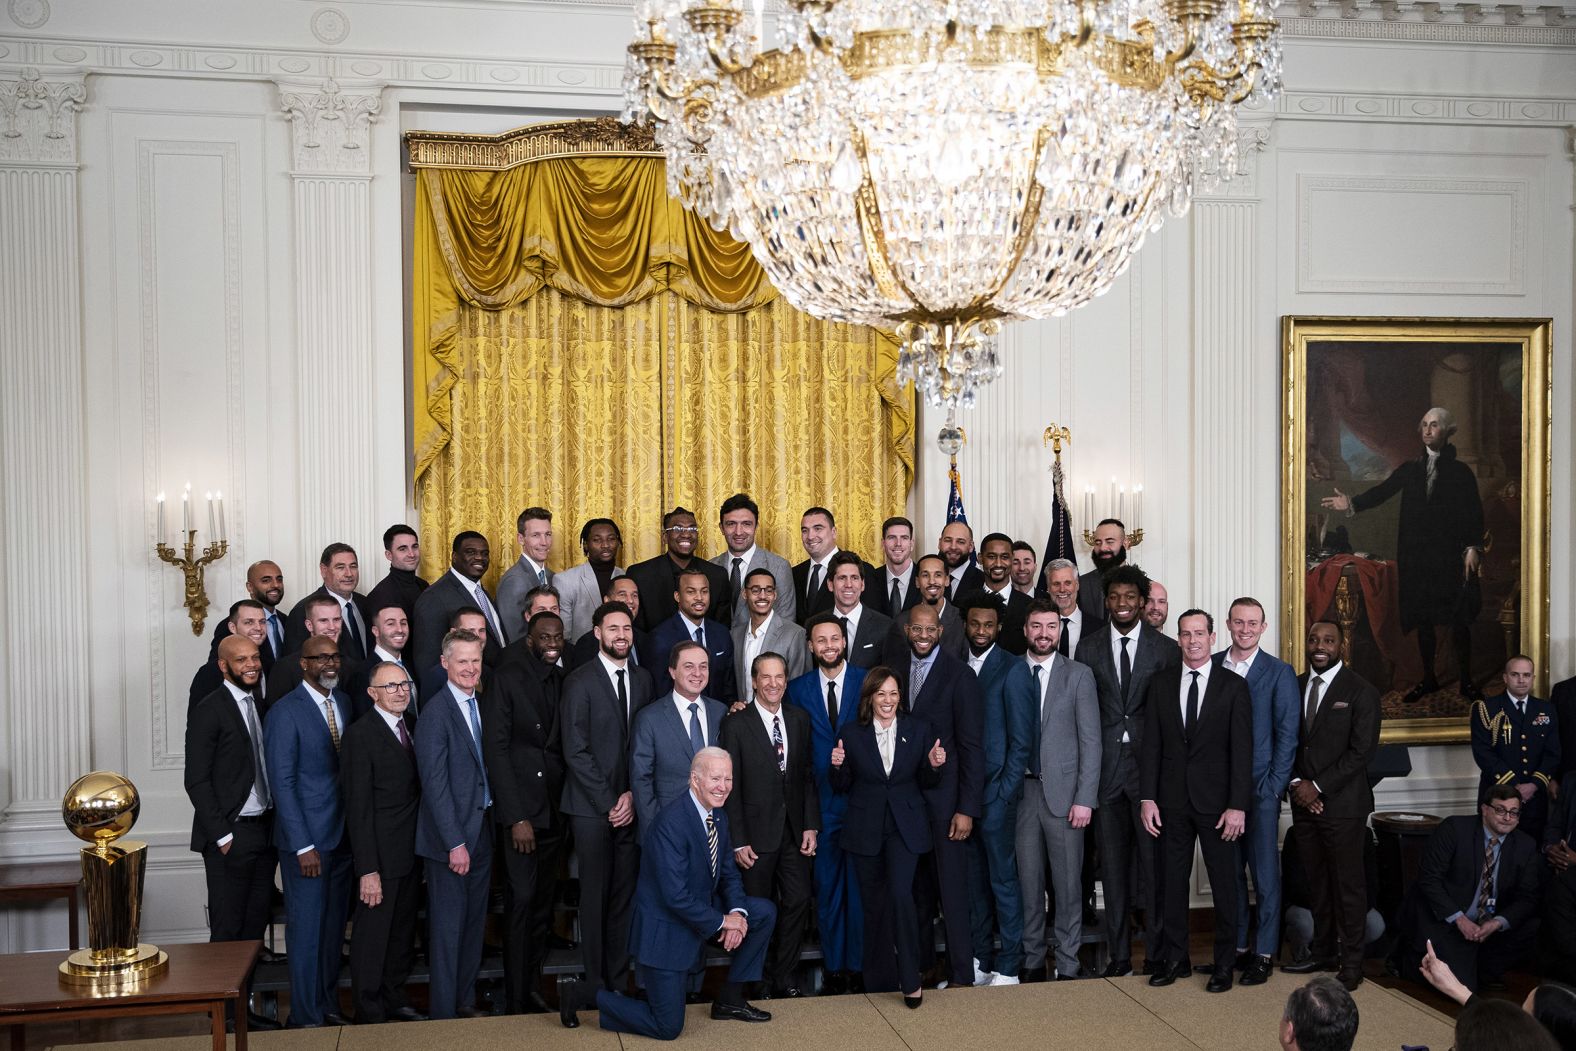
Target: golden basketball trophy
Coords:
[(100, 808)]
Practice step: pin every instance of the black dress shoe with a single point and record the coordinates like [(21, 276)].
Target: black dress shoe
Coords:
[(1312, 965), (1351, 978), (834, 984), (1257, 971), (293, 1024), (1167, 973), (787, 992), (571, 996), (472, 1012), (334, 1018), (913, 1002), (1060, 977), (257, 1023), (406, 1014), (536, 1004), (856, 982), (1030, 975), (1117, 969), (558, 941), (1152, 967), (1220, 981), (739, 1013), (691, 999)]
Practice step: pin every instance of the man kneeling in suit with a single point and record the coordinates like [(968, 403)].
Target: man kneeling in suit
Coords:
[(689, 893)]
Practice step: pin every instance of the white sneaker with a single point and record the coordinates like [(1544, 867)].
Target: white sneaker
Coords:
[(1002, 979), (982, 977)]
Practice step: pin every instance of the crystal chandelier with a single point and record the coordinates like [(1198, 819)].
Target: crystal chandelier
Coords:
[(938, 167)]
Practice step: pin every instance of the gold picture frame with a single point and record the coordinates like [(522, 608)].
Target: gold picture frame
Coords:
[(1352, 385)]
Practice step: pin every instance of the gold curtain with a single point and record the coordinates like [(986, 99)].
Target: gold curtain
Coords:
[(585, 344)]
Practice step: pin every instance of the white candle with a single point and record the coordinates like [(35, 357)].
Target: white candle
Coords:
[(1121, 501), (1138, 507), (760, 24), (218, 498), (186, 511), (1110, 507), (161, 533)]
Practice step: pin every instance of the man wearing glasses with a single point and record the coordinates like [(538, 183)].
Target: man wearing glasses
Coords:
[(658, 578), (382, 793), (1477, 897)]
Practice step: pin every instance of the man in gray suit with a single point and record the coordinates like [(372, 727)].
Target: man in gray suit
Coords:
[(766, 631), (1060, 791), (580, 588), (667, 733), (534, 533), (865, 628), (1123, 654), (740, 517)]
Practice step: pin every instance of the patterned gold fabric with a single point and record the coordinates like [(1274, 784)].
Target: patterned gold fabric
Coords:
[(585, 344)]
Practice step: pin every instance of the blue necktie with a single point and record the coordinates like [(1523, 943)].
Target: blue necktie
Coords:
[(276, 636), (700, 634), (697, 739), (476, 743), (1034, 753)]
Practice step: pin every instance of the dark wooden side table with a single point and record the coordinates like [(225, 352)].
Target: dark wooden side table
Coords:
[(201, 979), (43, 881)]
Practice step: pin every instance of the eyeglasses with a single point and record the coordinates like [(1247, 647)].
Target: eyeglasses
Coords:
[(682, 530), (1514, 815), (758, 590), (332, 658), (391, 688)]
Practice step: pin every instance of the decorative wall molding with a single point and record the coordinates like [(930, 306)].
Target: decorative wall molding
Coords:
[(330, 25), (1434, 12), (330, 128), (1433, 109), (38, 119), (1253, 139), (29, 14), (1513, 245), (1430, 32)]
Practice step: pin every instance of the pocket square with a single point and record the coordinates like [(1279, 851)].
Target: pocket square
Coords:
[(1341, 704)]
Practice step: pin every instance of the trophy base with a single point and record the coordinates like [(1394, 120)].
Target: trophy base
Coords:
[(128, 968)]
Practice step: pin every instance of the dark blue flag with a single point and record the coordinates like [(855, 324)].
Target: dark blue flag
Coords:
[(1059, 544)]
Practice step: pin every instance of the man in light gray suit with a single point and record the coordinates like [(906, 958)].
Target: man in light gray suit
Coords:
[(740, 517), (534, 532), (669, 731), (766, 631), (580, 588), (1060, 789)]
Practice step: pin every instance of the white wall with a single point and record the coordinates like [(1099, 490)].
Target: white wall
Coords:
[(195, 291)]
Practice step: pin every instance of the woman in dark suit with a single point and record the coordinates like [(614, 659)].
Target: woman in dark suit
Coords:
[(881, 764)]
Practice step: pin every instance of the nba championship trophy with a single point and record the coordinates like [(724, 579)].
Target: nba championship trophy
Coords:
[(100, 808)]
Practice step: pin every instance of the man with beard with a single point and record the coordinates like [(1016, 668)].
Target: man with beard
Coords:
[(830, 696), (302, 750), (248, 619), (469, 559), (534, 534), (341, 574), (658, 578), (940, 689), (1108, 551), (692, 624), (1061, 587), (580, 588), (1124, 655), (739, 519), (930, 572), (265, 583), (525, 767), (774, 811), (390, 633), (402, 587), (543, 641), (232, 804), (1023, 562), (322, 620), (993, 872), (1157, 607), (957, 549), (1331, 800), (1439, 547), (892, 587), (996, 565), (866, 628), (624, 590), (766, 632), (818, 534), (599, 702)]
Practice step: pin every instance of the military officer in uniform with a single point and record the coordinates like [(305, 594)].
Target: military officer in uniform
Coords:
[(1516, 741)]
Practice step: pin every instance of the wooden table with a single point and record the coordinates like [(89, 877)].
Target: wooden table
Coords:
[(42, 881), (201, 979)]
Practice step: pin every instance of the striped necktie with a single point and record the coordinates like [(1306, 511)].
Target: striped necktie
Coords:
[(711, 843)]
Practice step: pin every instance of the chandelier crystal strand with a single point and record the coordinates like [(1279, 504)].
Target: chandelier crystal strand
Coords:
[(937, 168)]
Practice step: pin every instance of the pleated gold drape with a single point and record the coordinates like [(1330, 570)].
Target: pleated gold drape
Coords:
[(585, 344)]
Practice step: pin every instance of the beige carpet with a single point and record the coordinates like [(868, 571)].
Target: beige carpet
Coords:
[(1105, 1015)]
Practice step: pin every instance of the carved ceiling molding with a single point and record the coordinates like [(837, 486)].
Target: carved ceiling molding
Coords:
[(330, 128), (38, 118), (597, 136)]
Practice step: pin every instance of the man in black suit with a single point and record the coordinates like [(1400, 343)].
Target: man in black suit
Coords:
[(891, 587), (956, 547), (341, 574), (941, 689), (691, 623), (619, 589), (599, 702), (402, 587), (1479, 893), (461, 586), (248, 619), (321, 616), (774, 811), (1563, 697), (390, 633), (1331, 800), (930, 572), (1124, 655), (818, 534), (381, 790), (996, 565), (866, 629), (525, 767), (658, 578), (1108, 551), (541, 644), (265, 583)]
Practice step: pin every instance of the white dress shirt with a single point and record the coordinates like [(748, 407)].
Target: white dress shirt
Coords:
[(612, 669), (1132, 655), (766, 721), (1324, 678), (691, 626), (886, 744), (842, 696), (474, 589), (463, 699), (852, 616), (1045, 678), (904, 581), (1187, 682), (976, 663), (754, 643), (246, 702), (394, 721), (1241, 667), (681, 704), (1072, 627)]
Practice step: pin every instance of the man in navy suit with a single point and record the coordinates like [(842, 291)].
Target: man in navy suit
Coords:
[(454, 829), (691, 624), (1273, 687), (1516, 741), (830, 694), (667, 734), (301, 753), (689, 893)]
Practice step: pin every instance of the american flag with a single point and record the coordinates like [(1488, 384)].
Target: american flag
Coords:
[(955, 511), (1059, 544)]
